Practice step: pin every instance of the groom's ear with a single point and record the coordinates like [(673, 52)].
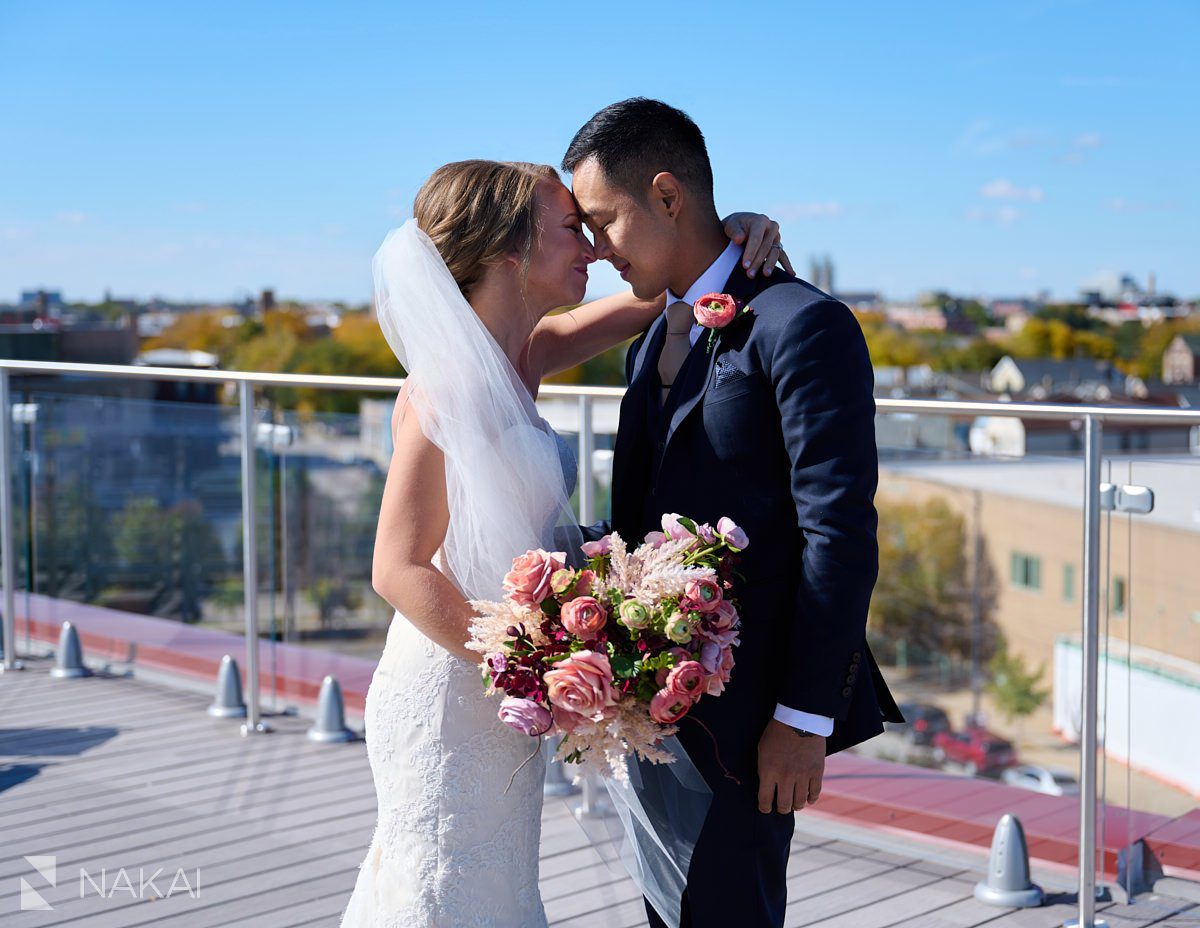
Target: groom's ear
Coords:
[(666, 195)]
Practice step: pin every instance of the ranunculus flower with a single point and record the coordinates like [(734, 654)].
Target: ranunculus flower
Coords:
[(733, 534), (710, 657), (597, 548), (528, 583), (584, 617), (525, 715), (667, 707), (633, 614), (686, 679), (562, 580), (716, 682), (715, 310), (582, 683), (657, 539), (706, 533), (583, 586), (674, 528), (703, 595), (679, 628)]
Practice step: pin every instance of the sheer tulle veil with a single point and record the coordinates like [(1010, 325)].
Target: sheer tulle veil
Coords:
[(504, 480)]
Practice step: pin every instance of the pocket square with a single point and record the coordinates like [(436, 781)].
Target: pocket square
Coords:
[(726, 372)]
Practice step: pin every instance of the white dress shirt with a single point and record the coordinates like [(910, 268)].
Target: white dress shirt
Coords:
[(711, 281)]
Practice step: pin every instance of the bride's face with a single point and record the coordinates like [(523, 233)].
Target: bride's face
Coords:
[(558, 265)]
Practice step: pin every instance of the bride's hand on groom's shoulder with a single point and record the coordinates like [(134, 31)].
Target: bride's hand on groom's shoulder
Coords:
[(763, 245), (791, 767)]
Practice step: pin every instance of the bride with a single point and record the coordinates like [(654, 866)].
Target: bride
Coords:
[(463, 295)]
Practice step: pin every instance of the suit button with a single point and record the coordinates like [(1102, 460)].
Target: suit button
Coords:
[(847, 691), (850, 678), (856, 656)]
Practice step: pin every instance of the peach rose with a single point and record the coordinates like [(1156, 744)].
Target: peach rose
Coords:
[(528, 583), (715, 310), (582, 684), (584, 617), (667, 708)]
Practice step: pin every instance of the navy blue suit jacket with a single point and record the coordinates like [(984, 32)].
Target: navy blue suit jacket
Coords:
[(775, 429)]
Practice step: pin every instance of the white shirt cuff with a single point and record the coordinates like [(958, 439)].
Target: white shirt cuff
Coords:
[(817, 724)]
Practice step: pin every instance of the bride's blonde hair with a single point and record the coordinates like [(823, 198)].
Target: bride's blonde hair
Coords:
[(477, 212)]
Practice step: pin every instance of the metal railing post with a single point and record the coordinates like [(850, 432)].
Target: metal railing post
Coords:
[(9, 630), (1092, 433), (587, 441), (253, 721)]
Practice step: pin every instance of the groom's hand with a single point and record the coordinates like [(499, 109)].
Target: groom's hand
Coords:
[(790, 768)]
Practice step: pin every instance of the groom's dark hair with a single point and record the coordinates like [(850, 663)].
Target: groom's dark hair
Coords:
[(636, 139)]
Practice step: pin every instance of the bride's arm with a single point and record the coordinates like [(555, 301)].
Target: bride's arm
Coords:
[(562, 341), (413, 518)]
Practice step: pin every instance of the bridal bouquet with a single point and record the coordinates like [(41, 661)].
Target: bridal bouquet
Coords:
[(611, 656)]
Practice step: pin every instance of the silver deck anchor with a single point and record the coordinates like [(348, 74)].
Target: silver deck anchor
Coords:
[(1007, 882), (68, 661), (330, 726), (228, 703)]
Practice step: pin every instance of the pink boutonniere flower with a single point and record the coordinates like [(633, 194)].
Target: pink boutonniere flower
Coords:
[(716, 311)]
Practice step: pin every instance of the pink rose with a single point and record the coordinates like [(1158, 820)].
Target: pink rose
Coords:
[(528, 583), (584, 618), (582, 684), (716, 682), (657, 539), (673, 527), (667, 708), (567, 722), (715, 310), (734, 536), (525, 715), (703, 595), (721, 625), (686, 679), (597, 548)]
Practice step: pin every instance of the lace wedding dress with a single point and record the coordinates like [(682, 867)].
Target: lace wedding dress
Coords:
[(451, 848)]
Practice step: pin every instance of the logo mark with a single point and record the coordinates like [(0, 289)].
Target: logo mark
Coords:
[(46, 866)]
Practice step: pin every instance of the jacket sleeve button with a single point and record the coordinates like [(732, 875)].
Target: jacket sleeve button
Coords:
[(847, 691)]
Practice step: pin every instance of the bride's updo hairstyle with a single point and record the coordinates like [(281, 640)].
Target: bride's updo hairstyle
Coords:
[(477, 212)]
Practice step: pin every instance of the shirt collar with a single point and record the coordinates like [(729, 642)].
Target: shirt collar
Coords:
[(712, 280)]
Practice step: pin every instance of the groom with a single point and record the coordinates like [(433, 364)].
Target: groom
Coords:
[(773, 427)]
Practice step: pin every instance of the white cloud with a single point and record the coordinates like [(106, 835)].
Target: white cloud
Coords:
[(817, 210), (1087, 140), (1003, 189), (71, 217), (1000, 215), (1121, 205)]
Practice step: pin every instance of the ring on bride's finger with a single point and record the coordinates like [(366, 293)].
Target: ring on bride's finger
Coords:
[(775, 247)]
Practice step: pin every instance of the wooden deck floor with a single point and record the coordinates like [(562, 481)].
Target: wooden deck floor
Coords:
[(121, 774)]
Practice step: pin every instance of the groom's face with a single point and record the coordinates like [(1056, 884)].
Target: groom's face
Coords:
[(636, 236)]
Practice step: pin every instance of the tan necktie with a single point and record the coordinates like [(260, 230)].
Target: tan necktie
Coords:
[(677, 345)]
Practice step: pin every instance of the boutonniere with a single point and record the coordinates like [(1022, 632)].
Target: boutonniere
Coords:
[(715, 311)]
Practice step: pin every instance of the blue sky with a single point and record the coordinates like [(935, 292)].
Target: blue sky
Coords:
[(208, 150)]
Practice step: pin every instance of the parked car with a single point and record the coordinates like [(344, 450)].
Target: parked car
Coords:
[(976, 750), (922, 721), (1053, 781)]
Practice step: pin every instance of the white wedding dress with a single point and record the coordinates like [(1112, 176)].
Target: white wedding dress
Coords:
[(451, 848)]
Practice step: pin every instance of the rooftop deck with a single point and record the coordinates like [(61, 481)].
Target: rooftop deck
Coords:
[(118, 773)]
